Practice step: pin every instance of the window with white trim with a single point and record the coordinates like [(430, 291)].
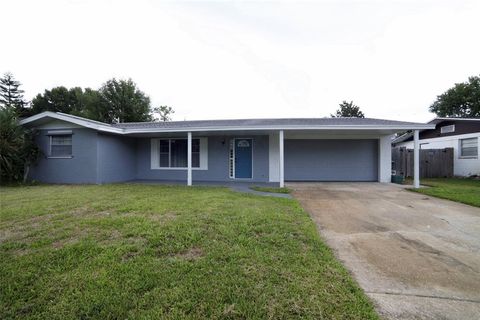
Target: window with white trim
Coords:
[(173, 153), (447, 129), (61, 146), (469, 148)]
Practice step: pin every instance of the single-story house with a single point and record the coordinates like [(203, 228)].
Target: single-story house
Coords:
[(461, 134), (79, 150)]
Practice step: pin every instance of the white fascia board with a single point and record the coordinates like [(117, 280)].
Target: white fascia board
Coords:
[(72, 119), (322, 127), (38, 116), (403, 137), (453, 119)]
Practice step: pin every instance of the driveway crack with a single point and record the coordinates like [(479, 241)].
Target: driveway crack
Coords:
[(423, 296)]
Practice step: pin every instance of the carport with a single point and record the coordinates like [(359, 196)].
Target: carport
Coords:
[(351, 153)]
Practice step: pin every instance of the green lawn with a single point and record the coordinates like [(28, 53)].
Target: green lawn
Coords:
[(270, 189), (456, 189), (151, 252)]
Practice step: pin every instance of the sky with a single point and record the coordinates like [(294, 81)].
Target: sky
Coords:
[(237, 59)]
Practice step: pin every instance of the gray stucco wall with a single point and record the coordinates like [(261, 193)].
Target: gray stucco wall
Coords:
[(103, 158), (331, 160), (81, 168), (97, 158), (218, 148), (116, 158)]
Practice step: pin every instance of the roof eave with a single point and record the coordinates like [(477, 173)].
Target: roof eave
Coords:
[(441, 119), (75, 120), (402, 138), (256, 128), (95, 125)]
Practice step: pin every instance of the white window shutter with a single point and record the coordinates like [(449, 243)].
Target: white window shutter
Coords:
[(155, 154), (204, 153)]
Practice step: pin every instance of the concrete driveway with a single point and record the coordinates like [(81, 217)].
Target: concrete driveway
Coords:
[(417, 257)]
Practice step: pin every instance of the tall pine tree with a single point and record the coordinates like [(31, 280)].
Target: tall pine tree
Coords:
[(11, 96)]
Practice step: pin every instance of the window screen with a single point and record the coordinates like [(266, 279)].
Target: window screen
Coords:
[(469, 147), (447, 129), (61, 146), (178, 153), (173, 153), (165, 153), (195, 153)]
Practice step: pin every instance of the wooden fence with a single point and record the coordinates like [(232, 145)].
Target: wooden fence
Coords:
[(434, 163)]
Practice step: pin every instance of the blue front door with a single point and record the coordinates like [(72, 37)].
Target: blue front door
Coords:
[(243, 158)]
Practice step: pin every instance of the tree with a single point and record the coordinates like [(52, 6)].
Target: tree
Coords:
[(124, 102), (115, 101), (163, 113), (11, 96), (84, 103), (348, 109), (462, 100), (92, 106), (59, 99), (18, 150)]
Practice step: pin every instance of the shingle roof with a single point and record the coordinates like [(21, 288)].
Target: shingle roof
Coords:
[(264, 123), (230, 125)]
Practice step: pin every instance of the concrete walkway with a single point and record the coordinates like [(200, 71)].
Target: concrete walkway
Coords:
[(234, 185), (416, 257)]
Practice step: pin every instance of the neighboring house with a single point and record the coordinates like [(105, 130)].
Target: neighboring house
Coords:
[(461, 134), (78, 150)]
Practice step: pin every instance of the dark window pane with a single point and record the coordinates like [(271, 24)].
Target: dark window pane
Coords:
[(469, 147), (469, 152), (164, 146), (62, 140), (164, 160), (195, 145), (178, 153), (196, 160), (61, 146), (61, 151)]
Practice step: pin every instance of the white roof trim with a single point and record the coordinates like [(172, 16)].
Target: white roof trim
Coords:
[(100, 126), (288, 127), (96, 125), (453, 119), (403, 137)]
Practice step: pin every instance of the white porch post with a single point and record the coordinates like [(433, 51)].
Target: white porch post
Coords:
[(280, 140), (189, 159), (385, 159), (416, 161)]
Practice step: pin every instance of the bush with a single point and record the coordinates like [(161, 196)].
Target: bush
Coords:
[(18, 150)]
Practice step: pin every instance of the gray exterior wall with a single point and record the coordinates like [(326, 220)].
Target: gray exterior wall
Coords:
[(218, 148), (81, 168), (97, 158), (103, 158), (331, 160), (116, 158)]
